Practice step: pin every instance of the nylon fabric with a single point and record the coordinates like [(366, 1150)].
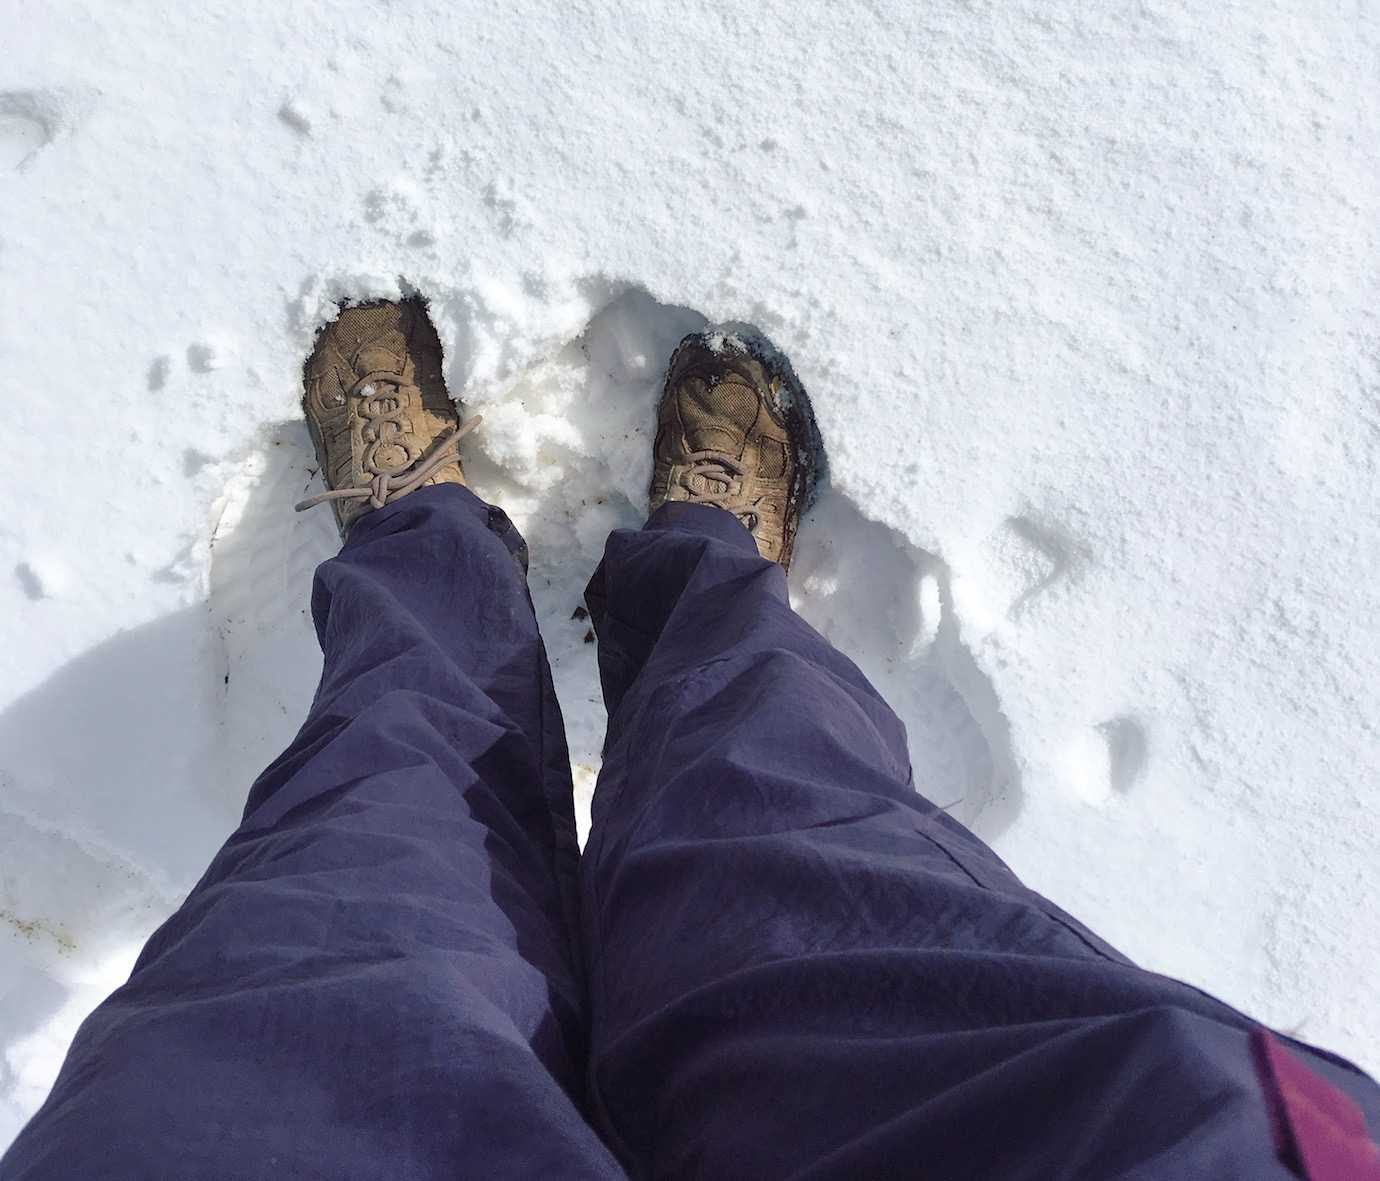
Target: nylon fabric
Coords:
[(775, 959)]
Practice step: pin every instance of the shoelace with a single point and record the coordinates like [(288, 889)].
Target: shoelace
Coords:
[(387, 486), (716, 468)]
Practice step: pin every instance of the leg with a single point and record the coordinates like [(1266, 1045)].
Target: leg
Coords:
[(375, 977), (799, 967)]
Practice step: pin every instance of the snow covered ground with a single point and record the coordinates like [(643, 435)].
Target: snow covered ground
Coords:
[(1086, 297)]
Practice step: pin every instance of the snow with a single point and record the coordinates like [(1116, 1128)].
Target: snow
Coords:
[(1085, 298)]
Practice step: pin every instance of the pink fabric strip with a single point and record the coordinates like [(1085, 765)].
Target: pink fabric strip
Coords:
[(1319, 1132)]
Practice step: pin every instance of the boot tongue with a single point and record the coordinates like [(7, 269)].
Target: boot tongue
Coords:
[(373, 359)]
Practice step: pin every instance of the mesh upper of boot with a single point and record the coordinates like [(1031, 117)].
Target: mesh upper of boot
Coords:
[(717, 417), (354, 445), (721, 401)]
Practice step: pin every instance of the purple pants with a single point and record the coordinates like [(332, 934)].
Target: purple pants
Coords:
[(775, 958)]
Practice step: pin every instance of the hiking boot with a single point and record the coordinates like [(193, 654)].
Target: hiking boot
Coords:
[(378, 411), (735, 430)]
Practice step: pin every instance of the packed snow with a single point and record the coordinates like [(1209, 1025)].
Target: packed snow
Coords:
[(1085, 298)]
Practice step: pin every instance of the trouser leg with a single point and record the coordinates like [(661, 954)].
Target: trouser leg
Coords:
[(799, 967), (376, 976)]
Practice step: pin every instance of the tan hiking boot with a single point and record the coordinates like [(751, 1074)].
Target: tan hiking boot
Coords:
[(378, 411), (736, 430)]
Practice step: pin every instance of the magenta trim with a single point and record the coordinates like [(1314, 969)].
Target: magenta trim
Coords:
[(1319, 1132)]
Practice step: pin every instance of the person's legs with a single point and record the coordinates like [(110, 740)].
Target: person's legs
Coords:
[(376, 976), (800, 967)]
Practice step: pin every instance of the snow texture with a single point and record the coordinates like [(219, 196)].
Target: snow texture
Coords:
[(1085, 297)]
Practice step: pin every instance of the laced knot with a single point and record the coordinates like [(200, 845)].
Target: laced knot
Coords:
[(715, 478), (383, 430)]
